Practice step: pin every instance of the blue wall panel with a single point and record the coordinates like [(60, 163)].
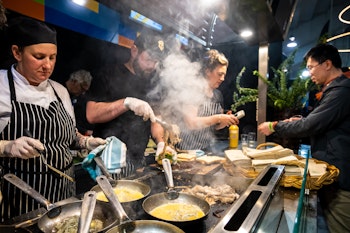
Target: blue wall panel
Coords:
[(102, 25), (57, 18)]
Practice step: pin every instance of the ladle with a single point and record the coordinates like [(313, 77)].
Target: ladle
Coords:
[(171, 193)]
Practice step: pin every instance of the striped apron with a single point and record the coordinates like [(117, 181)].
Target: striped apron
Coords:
[(54, 127), (201, 138)]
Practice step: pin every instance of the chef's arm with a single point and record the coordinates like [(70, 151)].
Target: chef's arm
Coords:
[(218, 120), (101, 112), (194, 122), (157, 132), (87, 142)]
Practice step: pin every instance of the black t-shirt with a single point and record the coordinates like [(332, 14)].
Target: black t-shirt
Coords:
[(117, 82), (79, 104)]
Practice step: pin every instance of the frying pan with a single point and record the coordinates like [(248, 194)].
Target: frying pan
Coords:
[(127, 225), (131, 184), (172, 197), (57, 213)]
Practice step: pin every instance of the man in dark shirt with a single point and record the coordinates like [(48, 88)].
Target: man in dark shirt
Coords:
[(118, 102), (77, 85), (328, 127)]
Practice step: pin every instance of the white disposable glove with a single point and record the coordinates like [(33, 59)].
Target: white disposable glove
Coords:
[(23, 147), (140, 108), (160, 149), (92, 143)]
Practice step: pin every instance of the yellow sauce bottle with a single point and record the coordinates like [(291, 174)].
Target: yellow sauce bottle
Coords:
[(233, 136)]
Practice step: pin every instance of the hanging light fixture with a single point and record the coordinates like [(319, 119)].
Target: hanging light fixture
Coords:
[(292, 42)]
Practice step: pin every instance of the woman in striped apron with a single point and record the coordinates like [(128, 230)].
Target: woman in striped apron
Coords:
[(200, 121), (37, 126)]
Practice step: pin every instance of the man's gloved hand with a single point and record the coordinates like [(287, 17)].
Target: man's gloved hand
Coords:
[(172, 155), (23, 147), (140, 108), (92, 143)]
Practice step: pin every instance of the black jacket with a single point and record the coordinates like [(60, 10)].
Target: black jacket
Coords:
[(328, 127)]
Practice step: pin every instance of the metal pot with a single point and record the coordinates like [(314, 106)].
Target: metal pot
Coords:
[(171, 197), (56, 214), (128, 226)]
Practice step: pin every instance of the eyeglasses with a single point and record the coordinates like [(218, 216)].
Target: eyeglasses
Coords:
[(309, 67)]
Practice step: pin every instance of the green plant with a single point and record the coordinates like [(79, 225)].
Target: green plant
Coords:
[(280, 95)]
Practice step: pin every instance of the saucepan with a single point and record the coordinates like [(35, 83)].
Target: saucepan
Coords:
[(127, 225), (174, 207), (58, 214)]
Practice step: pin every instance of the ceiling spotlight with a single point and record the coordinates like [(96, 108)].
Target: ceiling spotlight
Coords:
[(80, 2), (292, 42), (246, 33)]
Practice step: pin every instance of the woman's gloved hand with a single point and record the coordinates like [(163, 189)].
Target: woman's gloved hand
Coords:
[(23, 147), (92, 143), (140, 108), (169, 153)]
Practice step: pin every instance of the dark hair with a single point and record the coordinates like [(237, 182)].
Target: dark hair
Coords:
[(323, 52), (212, 59)]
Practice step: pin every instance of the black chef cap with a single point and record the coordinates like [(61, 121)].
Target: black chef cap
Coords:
[(24, 31), (153, 44)]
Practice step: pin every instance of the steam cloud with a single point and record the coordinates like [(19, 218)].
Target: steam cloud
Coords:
[(181, 84)]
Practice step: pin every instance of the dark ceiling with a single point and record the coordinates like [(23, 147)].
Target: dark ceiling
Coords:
[(313, 19), (221, 22), (215, 23)]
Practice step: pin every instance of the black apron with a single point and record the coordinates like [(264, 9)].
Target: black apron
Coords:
[(54, 127)]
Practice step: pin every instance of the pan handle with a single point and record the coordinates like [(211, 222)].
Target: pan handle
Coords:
[(103, 168), (112, 197), (16, 181), (87, 211), (168, 173), (171, 193)]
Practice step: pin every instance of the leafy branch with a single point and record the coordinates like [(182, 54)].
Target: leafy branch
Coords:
[(280, 95)]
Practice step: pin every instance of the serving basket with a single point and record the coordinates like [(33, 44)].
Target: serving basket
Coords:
[(312, 183)]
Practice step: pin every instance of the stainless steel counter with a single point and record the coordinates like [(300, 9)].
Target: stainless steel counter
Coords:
[(157, 182)]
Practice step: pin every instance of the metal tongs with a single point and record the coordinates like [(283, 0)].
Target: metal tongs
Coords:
[(166, 125)]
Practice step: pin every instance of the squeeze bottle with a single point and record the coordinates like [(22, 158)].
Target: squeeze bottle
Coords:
[(233, 136)]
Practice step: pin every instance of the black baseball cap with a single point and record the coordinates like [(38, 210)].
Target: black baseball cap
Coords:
[(153, 44)]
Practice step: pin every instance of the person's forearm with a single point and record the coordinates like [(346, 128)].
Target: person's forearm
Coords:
[(3, 144), (194, 123), (157, 132), (101, 112)]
